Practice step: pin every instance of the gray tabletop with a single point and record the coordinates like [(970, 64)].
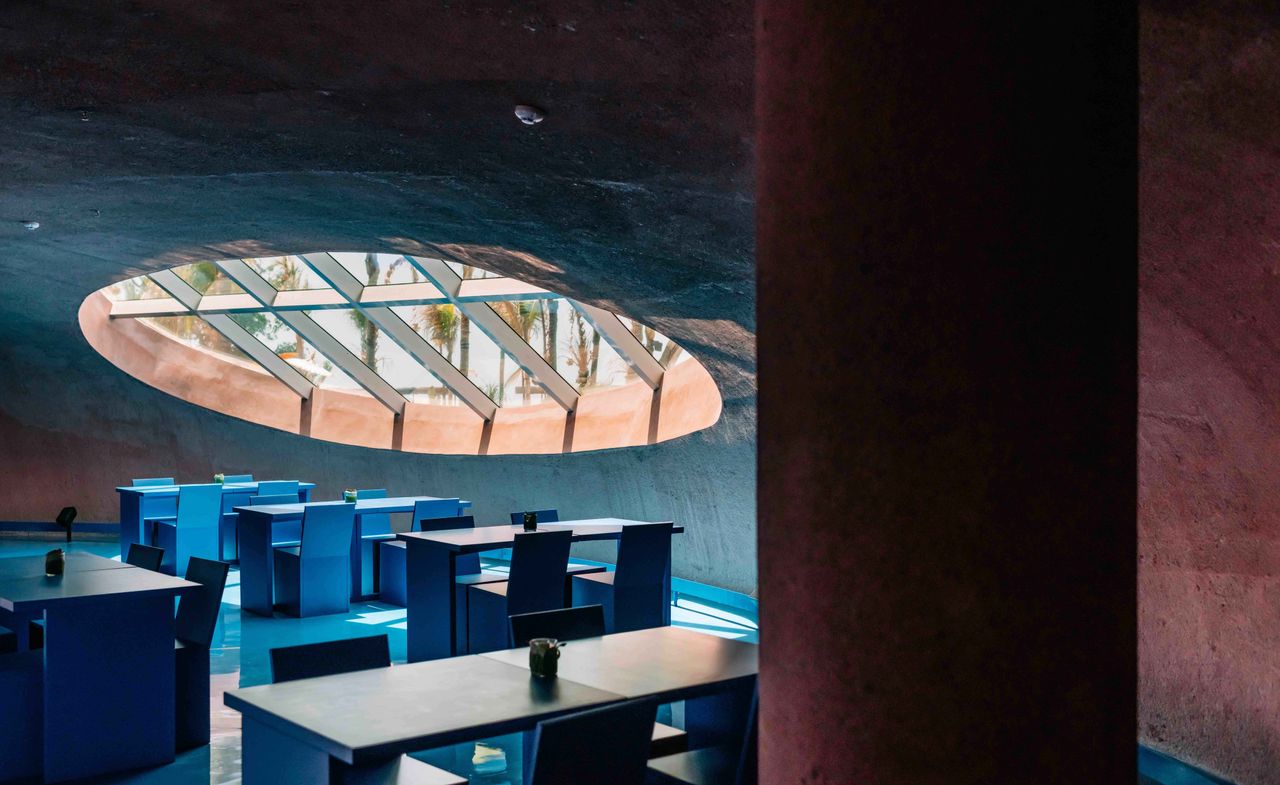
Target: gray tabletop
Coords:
[(28, 594), (484, 538), (363, 506), (668, 661), (28, 566), (375, 713)]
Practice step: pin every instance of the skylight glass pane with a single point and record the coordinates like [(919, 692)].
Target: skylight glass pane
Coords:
[(471, 351), (467, 271), (207, 278), (567, 341), (139, 288), (663, 349), (195, 332), (383, 356), (287, 273), (379, 269), (280, 338)]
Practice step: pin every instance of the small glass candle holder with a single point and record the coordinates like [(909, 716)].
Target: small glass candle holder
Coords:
[(349, 495), (55, 563), (220, 478), (544, 657), (531, 521)]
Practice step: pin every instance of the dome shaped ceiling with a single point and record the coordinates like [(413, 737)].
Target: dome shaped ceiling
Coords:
[(400, 352)]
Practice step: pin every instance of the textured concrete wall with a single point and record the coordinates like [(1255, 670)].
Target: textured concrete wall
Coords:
[(947, 479), (72, 427), (145, 133), (1209, 427)]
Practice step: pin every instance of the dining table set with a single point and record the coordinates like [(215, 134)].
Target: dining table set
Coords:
[(95, 694)]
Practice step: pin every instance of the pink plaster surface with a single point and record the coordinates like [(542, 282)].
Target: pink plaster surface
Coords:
[(1209, 409)]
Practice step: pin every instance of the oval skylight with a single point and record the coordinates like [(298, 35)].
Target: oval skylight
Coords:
[(401, 352)]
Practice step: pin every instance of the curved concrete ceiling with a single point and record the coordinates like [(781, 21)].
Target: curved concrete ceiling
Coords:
[(150, 133)]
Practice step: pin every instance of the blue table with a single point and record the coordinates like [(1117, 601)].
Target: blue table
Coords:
[(257, 561), (138, 503), (432, 568), (296, 732), (105, 700)]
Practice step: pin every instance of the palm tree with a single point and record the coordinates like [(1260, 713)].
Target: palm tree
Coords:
[(522, 315)]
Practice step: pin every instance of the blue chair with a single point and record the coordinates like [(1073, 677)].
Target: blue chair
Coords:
[(635, 594), (553, 516), (151, 482), (289, 663), (145, 556), (227, 531), (193, 531), (608, 746), (728, 764), (312, 579), (428, 515), (284, 531), (374, 528), (536, 583), (196, 620)]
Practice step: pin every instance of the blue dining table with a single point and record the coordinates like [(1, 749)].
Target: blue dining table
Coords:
[(257, 561), (140, 502), (433, 568), (99, 697)]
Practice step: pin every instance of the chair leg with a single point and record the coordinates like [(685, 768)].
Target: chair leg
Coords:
[(192, 683)]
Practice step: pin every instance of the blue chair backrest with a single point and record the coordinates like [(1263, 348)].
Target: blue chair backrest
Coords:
[(148, 482), (608, 746), (326, 530), (563, 624), (538, 564), (198, 609), (329, 657), (281, 498), (379, 523), (237, 478), (199, 505), (643, 553), (544, 516), (425, 509), (465, 563), (145, 556), (277, 487)]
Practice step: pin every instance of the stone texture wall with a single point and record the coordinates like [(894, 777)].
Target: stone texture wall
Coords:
[(1209, 417)]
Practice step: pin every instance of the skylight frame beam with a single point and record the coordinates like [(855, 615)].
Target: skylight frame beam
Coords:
[(501, 333), (624, 342), (237, 335), (395, 328), (329, 347)]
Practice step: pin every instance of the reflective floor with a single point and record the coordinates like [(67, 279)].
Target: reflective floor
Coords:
[(239, 659)]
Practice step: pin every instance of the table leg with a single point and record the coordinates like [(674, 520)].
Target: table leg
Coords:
[(256, 563), (429, 613), (130, 521), (270, 757), (108, 686), (357, 560), (666, 592)]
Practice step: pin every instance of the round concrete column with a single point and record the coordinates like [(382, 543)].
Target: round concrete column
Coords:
[(947, 355)]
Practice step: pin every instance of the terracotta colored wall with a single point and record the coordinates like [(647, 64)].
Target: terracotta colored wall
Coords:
[(947, 480), (624, 416), (1209, 426)]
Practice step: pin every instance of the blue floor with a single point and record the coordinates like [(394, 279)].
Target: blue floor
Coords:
[(239, 659)]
